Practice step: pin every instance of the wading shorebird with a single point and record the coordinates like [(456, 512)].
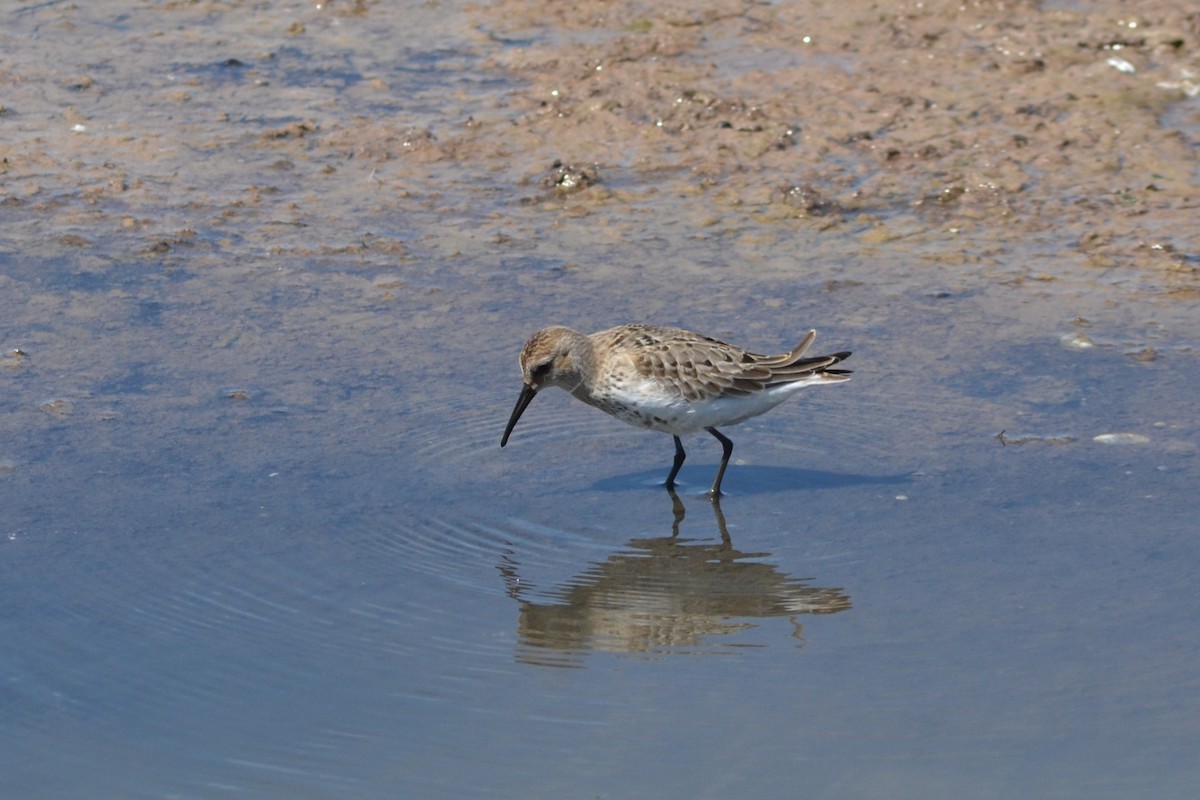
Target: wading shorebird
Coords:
[(668, 379)]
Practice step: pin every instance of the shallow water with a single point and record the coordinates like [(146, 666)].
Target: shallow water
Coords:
[(261, 325)]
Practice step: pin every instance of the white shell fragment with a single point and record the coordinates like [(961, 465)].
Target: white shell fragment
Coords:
[(1076, 341), (1121, 64), (1121, 438)]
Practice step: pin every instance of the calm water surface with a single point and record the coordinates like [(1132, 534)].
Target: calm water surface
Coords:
[(260, 540)]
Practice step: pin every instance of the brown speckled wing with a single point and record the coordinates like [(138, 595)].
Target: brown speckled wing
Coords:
[(696, 367), (700, 368)]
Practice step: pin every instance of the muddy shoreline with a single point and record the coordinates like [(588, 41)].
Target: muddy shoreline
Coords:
[(1072, 126), (1003, 121)]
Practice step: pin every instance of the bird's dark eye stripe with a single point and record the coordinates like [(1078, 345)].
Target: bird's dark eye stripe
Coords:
[(541, 369)]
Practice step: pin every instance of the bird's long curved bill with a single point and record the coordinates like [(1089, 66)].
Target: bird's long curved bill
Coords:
[(527, 395)]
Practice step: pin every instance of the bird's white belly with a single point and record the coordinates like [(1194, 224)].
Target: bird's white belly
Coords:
[(643, 407)]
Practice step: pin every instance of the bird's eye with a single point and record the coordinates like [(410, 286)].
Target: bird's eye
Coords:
[(540, 371)]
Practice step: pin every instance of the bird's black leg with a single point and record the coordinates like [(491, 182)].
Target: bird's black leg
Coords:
[(727, 445), (679, 457)]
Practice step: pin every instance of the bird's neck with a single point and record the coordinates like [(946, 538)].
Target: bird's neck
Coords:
[(575, 365)]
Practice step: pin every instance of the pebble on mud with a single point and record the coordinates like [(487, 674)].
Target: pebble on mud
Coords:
[(1144, 354), (57, 406), (808, 199), (567, 178), (13, 358), (1077, 341)]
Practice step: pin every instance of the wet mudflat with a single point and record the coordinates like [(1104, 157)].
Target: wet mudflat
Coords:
[(264, 273)]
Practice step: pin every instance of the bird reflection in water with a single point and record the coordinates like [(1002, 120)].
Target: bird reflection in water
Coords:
[(662, 595)]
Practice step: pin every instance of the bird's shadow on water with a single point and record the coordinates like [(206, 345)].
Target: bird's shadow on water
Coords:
[(747, 480)]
